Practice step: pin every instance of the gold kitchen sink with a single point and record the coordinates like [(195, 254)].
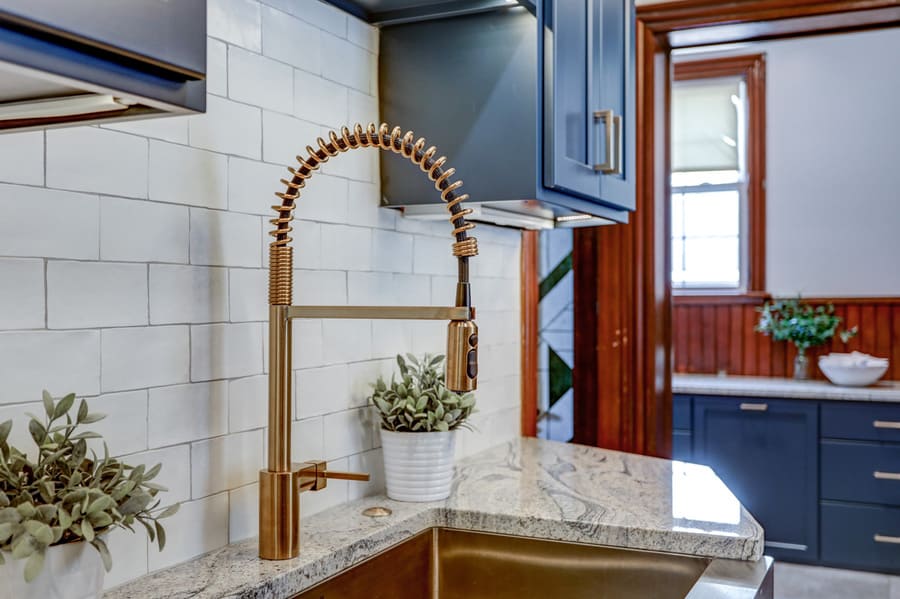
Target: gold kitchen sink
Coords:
[(445, 563)]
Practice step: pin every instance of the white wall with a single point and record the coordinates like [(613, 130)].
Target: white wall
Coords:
[(833, 187), (132, 272)]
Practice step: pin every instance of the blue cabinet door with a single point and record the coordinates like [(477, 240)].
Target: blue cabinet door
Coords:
[(682, 435), (587, 64), (766, 451)]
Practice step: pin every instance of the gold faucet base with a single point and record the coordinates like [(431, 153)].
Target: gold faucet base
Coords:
[(279, 514)]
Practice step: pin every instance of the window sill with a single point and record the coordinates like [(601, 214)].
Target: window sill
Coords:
[(709, 297)]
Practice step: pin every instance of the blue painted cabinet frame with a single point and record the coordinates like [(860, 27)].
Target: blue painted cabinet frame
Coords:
[(766, 451), (587, 63)]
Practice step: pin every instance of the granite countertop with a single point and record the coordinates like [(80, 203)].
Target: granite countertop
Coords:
[(764, 386), (527, 487)]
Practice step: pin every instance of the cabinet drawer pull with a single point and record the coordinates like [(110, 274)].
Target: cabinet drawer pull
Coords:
[(612, 142), (886, 475), (754, 407), (886, 424), (887, 539)]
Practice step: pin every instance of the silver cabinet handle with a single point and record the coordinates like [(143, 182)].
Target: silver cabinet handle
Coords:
[(886, 424), (886, 539), (612, 142), (754, 407), (886, 475)]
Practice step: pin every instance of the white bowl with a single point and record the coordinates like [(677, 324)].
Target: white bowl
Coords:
[(852, 370)]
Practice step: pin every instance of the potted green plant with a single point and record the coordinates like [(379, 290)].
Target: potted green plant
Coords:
[(419, 418), (57, 503), (803, 325)]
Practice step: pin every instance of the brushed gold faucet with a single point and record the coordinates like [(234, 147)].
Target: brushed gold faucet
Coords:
[(282, 482)]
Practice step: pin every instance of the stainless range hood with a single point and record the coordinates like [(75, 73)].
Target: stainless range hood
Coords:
[(84, 61)]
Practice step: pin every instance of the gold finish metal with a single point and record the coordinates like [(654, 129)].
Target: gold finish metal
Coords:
[(886, 424), (612, 142), (453, 564), (377, 512), (886, 539), (282, 482), (886, 475), (754, 407), (383, 312)]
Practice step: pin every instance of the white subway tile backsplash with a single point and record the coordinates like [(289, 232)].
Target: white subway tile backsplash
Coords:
[(22, 158), (319, 391), (69, 223), (137, 231), (389, 289), (434, 256), (349, 432), (221, 351), (252, 185), (129, 550), (59, 361), (307, 244), (21, 293), (320, 287), (175, 474), (248, 294), (307, 343), (199, 527), (362, 34), (248, 403), (364, 207), (261, 81), (346, 248), (184, 413), (188, 294), (391, 251), (336, 493), (346, 341), (391, 337), (308, 440), (97, 160), (236, 22), (324, 199), (363, 108), (243, 513), (372, 463), (170, 128), (228, 127), (285, 136), (221, 238), (95, 294), (319, 100), (225, 462), (346, 63), (291, 40), (183, 175), (138, 357), (216, 68), (125, 427), (364, 374)]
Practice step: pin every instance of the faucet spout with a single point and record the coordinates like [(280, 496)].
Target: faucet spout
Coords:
[(283, 481)]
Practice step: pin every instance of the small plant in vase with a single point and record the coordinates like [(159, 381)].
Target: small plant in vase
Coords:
[(57, 504), (803, 325), (419, 416)]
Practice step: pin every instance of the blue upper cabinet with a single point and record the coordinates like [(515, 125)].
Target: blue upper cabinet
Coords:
[(587, 61)]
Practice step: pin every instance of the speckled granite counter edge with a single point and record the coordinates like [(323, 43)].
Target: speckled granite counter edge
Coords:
[(733, 386)]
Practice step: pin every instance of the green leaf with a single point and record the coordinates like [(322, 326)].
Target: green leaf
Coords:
[(103, 550), (48, 403), (23, 546), (169, 511), (92, 418), (82, 411), (37, 430), (85, 435), (34, 565), (65, 519), (6, 531), (160, 535), (40, 531), (26, 510), (100, 520), (100, 504), (87, 531), (64, 405), (5, 428), (10, 514)]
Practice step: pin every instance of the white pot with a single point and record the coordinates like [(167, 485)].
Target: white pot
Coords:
[(71, 571), (418, 466)]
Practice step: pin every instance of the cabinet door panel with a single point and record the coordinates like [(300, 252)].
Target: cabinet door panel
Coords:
[(568, 32), (861, 536), (867, 472), (768, 457)]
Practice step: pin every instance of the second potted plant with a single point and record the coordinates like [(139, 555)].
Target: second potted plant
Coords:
[(419, 417)]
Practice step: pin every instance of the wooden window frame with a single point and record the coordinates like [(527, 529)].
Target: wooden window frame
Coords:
[(752, 69)]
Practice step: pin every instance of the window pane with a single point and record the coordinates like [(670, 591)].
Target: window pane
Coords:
[(705, 124), (678, 273), (712, 262), (692, 179), (677, 214), (712, 214)]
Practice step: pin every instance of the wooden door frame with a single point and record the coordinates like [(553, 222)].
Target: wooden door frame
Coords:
[(623, 307)]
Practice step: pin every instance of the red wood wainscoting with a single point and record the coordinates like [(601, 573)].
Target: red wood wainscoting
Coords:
[(717, 334)]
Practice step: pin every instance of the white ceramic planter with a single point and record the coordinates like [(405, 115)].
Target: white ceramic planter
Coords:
[(418, 466), (71, 571)]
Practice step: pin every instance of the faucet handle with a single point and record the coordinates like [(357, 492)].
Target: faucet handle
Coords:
[(314, 475)]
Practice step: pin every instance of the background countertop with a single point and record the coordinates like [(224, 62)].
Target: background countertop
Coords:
[(762, 386)]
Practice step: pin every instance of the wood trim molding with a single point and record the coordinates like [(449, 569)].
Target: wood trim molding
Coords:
[(530, 332), (752, 68), (729, 299)]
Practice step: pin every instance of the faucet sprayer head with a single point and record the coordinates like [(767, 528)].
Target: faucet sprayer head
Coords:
[(462, 356)]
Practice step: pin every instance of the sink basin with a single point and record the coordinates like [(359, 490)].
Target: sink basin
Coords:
[(442, 563)]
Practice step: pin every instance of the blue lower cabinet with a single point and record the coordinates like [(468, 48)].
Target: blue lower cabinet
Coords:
[(682, 448), (861, 472), (766, 451), (682, 436), (865, 537)]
